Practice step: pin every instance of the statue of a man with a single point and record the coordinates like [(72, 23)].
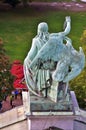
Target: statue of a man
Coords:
[(38, 79)]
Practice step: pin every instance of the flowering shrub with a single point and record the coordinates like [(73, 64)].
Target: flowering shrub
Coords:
[(17, 69), (6, 78), (17, 72)]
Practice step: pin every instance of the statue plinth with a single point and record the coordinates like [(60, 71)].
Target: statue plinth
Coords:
[(46, 119), (43, 106), (57, 104)]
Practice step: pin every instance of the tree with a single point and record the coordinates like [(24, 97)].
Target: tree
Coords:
[(6, 78), (25, 2), (13, 3)]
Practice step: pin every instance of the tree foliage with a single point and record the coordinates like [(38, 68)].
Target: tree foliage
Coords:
[(5, 76), (83, 39), (78, 85), (13, 3)]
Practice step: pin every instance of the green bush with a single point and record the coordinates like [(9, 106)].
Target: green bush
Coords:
[(79, 83)]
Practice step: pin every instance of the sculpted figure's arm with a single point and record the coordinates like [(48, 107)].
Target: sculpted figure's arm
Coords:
[(67, 28), (68, 25)]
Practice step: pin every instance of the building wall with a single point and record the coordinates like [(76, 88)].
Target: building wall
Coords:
[(22, 125), (79, 125), (13, 119)]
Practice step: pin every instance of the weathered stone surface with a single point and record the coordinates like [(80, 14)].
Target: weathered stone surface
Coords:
[(44, 122), (43, 105), (79, 124)]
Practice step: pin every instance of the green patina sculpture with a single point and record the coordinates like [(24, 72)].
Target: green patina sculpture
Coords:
[(52, 60)]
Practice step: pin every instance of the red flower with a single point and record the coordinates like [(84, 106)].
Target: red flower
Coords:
[(19, 85), (17, 71)]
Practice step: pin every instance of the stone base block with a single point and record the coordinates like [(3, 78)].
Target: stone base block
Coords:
[(44, 122), (44, 105), (79, 124)]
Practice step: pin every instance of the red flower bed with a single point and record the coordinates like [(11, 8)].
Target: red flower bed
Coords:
[(18, 84), (17, 71)]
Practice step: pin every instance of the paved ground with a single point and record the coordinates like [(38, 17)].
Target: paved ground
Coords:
[(6, 104), (72, 6)]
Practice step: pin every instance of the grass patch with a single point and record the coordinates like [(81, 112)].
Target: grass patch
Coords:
[(19, 26)]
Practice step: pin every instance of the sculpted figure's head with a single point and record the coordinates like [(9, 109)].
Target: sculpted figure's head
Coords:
[(42, 31), (42, 27)]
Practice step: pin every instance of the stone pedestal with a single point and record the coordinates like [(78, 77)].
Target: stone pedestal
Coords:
[(44, 106), (26, 101), (44, 122), (79, 124), (44, 113)]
